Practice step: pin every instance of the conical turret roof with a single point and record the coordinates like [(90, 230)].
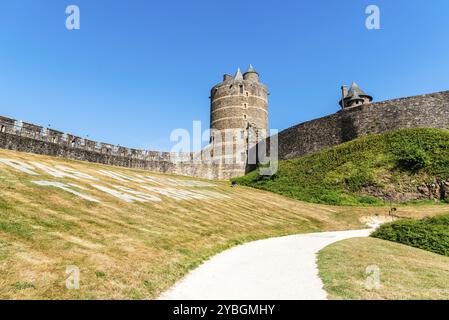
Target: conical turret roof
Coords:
[(251, 69), (238, 75), (355, 96), (355, 89)]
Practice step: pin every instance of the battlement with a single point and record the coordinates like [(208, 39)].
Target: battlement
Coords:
[(39, 133), (27, 137)]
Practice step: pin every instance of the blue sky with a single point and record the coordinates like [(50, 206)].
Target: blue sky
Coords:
[(138, 69)]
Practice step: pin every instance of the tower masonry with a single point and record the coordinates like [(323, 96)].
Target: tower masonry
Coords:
[(239, 114)]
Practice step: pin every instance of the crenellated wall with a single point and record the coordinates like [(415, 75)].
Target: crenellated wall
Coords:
[(26, 137)]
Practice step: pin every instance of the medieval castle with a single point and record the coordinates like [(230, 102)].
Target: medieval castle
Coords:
[(238, 122)]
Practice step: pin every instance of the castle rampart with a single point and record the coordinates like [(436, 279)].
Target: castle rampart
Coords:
[(27, 137), (238, 104), (424, 111)]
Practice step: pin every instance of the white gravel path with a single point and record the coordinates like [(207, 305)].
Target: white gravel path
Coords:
[(271, 269)]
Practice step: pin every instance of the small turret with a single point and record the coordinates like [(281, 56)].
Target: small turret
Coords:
[(251, 74), (238, 75), (227, 77), (354, 97), (355, 100)]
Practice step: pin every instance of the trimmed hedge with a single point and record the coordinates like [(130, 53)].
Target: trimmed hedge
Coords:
[(431, 234)]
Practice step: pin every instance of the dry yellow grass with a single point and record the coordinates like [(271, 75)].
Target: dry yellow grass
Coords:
[(136, 250), (405, 272)]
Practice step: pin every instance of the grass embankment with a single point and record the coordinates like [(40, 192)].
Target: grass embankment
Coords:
[(405, 272), (431, 234), (134, 250), (366, 171)]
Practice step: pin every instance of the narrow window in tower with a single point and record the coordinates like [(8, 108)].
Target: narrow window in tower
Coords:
[(244, 116), (247, 93), (245, 105), (241, 89)]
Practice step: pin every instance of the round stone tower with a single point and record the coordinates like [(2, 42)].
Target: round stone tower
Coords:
[(239, 105)]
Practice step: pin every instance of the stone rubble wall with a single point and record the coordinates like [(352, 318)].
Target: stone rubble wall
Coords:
[(425, 111), (26, 137)]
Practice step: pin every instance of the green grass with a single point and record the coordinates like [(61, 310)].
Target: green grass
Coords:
[(404, 272), (16, 229), (390, 163), (23, 285), (431, 234)]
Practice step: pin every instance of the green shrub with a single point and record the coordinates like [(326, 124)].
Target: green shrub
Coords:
[(439, 220), (431, 234), (413, 159), (359, 179)]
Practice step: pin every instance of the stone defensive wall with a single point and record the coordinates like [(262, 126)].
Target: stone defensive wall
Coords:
[(27, 137), (424, 111)]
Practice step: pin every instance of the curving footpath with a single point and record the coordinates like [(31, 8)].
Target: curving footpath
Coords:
[(272, 269)]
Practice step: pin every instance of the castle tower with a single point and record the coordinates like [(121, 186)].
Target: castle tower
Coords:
[(354, 97), (239, 105)]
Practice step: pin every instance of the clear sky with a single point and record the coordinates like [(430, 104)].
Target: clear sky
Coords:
[(137, 69)]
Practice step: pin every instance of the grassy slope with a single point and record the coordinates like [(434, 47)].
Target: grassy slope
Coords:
[(405, 272), (131, 250), (137, 250), (336, 176)]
